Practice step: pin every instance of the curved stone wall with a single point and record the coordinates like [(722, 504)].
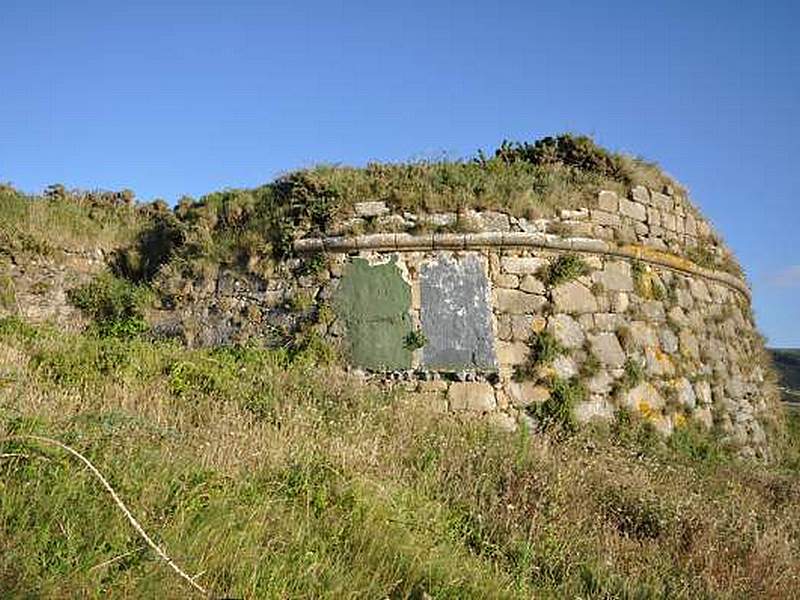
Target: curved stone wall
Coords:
[(463, 311), (641, 327)]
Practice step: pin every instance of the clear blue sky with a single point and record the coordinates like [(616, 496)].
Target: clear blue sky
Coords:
[(172, 98)]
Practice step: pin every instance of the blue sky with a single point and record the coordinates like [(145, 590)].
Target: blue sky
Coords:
[(170, 98)]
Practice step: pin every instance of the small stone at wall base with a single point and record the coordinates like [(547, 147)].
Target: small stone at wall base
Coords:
[(471, 396), (644, 398), (526, 393), (596, 408), (502, 421)]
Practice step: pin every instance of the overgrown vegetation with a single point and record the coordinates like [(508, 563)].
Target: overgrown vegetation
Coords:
[(115, 306), (563, 268), (273, 476), (544, 349)]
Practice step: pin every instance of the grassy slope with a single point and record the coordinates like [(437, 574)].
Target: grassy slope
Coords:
[(279, 478), (787, 361)]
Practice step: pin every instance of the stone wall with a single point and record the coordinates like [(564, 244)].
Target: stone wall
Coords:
[(452, 308)]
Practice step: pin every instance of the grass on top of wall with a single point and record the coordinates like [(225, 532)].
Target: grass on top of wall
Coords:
[(271, 476), (71, 221)]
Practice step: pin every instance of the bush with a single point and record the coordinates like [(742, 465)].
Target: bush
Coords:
[(115, 306), (578, 152), (564, 268), (558, 410)]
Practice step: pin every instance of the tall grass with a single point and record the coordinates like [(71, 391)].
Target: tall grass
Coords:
[(270, 476), (41, 225)]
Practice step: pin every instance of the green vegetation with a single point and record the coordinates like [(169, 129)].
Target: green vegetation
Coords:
[(272, 475), (787, 362), (564, 268), (61, 220), (415, 340), (557, 412), (544, 348), (115, 305)]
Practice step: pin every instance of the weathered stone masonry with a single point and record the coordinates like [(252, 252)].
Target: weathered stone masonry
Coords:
[(478, 298)]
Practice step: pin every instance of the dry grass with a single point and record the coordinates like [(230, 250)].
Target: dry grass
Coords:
[(278, 478)]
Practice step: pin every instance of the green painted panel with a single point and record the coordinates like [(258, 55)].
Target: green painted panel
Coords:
[(374, 300)]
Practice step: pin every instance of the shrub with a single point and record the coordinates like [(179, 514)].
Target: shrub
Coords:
[(558, 410), (578, 152), (415, 340), (564, 268), (115, 306), (544, 348)]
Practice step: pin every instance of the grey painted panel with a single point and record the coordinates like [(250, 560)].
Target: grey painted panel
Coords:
[(456, 314)]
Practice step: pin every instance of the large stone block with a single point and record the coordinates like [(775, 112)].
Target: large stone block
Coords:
[(522, 265), (566, 330), (456, 315), (527, 393), (573, 297), (616, 276), (516, 302), (606, 348), (634, 210), (644, 398), (471, 396)]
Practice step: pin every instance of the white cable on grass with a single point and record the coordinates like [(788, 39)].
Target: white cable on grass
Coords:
[(122, 507)]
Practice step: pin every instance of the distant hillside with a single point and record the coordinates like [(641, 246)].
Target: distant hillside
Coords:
[(787, 361)]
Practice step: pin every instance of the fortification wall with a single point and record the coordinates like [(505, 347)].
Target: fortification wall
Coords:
[(476, 322)]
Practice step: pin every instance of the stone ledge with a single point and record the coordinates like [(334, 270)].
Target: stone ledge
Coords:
[(404, 242)]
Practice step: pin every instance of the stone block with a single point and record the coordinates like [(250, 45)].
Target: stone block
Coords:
[(564, 367), (640, 194), (644, 398), (634, 210), (566, 330), (616, 276), (619, 302), (699, 289), (370, 209), (597, 408), (512, 353), (573, 297), (521, 327), (522, 265), (702, 390), (608, 321), (657, 363), (506, 281), (532, 285), (606, 348), (653, 310), (471, 396), (685, 393), (606, 219), (526, 393), (688, 344), (669, 341), (608, 201), (516, 302), (600, 383)]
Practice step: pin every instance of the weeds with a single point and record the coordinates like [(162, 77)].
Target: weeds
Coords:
[(564, 268)]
